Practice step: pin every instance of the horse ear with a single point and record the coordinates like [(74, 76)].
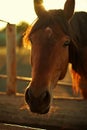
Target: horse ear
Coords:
[(39, 8), (69, 8)]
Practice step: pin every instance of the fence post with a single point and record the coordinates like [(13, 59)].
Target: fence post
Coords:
[(11, 58)]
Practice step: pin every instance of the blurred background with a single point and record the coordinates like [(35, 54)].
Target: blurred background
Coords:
[(22, 57)]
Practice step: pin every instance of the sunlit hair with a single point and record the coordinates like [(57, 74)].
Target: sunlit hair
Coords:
[(75, 80), (26, 40)]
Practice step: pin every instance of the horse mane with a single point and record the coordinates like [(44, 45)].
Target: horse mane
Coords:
[(78, 28), (52, 17), (78, 32)]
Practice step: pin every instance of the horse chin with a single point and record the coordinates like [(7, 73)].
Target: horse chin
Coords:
[(42, 111)]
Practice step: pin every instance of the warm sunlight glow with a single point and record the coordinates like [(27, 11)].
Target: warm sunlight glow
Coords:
[(54, 4), (59, 4), (15, 11)]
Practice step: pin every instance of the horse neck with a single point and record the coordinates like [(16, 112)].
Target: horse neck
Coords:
[(73, 55), (75, 58)]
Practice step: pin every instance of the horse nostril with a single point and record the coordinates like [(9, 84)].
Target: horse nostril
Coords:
[(45, 97), (28, 95)]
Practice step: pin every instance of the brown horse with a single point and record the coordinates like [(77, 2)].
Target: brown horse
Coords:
[(49, 54)]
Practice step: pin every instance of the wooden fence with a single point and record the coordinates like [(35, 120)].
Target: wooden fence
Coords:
[(11, 76), (11, 58)]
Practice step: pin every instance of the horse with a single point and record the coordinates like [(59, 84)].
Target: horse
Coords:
[(54, 44)]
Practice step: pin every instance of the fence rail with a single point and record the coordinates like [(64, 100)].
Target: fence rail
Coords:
[(17, 78), (11, 77)]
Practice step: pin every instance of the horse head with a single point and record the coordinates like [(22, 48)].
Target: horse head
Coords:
[(49, 38)]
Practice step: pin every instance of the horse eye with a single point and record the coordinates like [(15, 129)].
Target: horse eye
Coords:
[(66, 43)]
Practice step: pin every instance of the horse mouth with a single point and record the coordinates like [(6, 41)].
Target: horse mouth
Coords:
[(40, 111)]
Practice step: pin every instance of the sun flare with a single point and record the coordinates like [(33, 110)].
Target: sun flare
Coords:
[(59, 4), (23, 10), (54, 4)]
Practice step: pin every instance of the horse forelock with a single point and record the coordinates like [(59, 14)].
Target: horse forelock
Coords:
[(53, 17)]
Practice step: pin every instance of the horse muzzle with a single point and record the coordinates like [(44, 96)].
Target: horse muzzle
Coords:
[(40, 104)]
